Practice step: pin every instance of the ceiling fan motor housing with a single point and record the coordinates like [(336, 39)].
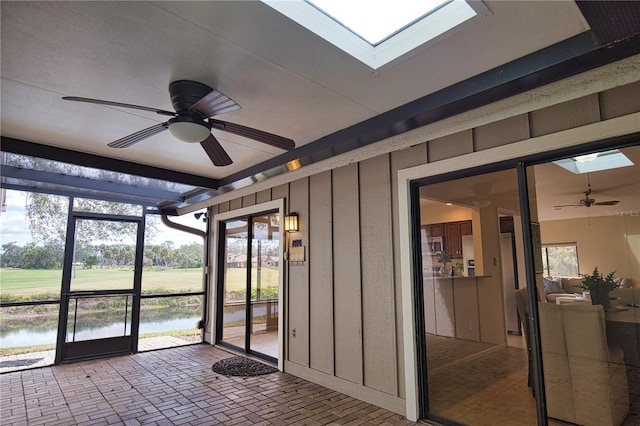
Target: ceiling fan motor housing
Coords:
[(185, 93)]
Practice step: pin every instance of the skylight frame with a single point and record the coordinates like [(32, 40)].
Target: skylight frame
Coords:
[(442, 21), (355, 23), (606, 160)]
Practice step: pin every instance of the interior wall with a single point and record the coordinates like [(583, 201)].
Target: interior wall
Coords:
[(345, 301), (610, 243)]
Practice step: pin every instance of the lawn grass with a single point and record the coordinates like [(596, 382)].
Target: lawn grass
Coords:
[(26, 282)]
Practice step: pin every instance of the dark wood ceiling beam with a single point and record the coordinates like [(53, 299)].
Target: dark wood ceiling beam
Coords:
[(560, 61)]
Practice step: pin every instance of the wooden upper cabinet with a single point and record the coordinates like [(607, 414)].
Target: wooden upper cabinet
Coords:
[(453, 236), (466, 228), (451, 233), (437, 230)]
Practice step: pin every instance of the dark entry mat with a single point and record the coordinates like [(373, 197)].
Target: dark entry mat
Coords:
[(241, 366)]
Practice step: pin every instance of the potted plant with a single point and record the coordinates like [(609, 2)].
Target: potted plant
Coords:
[(444, 258), (599, 287), (459, 269)]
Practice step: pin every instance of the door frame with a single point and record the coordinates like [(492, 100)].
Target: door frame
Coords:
[(111, 346), (605, 134), (271, 206)]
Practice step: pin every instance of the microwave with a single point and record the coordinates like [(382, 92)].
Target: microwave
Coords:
[(434, 245)]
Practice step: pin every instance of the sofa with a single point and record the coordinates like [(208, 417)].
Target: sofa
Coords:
[(627, 294)]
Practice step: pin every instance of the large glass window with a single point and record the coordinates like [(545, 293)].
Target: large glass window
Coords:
[(560, 260), (590, 342)]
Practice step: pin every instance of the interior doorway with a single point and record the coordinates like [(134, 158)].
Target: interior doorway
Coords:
[(248, 307)]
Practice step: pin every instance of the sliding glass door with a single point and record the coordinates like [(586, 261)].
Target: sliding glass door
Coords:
[(248, 302)]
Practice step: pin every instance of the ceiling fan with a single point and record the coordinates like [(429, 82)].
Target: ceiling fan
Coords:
[(587, 201), (195, 104)]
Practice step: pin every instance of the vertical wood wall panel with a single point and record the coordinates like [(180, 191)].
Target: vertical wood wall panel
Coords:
[(249, 200), (321, 273), (465, 296), (223, 207), (564, 116), (299, 277), (401, 160), (503, 132), (450, 146), (281, 191), (235, 204), (346, 261), (263, 196), (376, 245), (620, 101)]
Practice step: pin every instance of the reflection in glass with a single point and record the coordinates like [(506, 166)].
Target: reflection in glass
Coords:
[(590, 348), (252, 268), (476, 353), (265, 249), (235, 283)]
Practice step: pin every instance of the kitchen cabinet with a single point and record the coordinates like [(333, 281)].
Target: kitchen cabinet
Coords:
[(435, 229), (453, 232)]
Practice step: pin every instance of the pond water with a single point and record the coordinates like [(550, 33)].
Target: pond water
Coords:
[(34, 336)]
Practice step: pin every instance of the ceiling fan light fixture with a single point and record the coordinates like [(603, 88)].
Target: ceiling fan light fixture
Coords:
[(189, 131)]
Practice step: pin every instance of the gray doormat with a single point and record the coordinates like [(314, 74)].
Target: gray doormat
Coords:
[(241, 366)]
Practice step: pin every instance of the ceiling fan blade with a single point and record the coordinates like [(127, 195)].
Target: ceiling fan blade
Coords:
[(255, 134), (215, 151), (138, 136), (215, 103), (570, 205), (119, 104), (607, 203)]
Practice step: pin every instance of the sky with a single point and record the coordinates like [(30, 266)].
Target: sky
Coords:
[(14, 226)]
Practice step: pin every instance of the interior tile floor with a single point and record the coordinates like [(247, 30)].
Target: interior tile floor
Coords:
[(173, 387), (485, 385)]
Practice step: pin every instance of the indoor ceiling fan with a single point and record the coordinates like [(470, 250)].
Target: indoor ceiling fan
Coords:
[(195, 104), (587, 201)]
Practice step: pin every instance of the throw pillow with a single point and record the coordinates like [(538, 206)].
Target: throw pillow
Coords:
[(553, 285)]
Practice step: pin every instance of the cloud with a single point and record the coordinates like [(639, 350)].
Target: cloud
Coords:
[(14, 226)]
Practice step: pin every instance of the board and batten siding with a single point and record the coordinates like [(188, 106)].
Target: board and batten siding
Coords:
[(345, 301)]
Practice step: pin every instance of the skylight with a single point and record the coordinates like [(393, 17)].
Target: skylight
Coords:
[(376, 20), (378, 31), (595, 162)]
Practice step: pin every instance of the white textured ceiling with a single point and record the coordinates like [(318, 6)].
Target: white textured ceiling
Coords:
[(288, 81)]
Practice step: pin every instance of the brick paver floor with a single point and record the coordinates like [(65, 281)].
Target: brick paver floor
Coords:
[(173, 387)]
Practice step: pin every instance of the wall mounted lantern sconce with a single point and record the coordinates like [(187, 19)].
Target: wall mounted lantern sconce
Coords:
[(291, 222)]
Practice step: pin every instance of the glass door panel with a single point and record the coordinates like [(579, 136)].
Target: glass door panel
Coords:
[(251, 284), (234, 312), (472, 350), (265, 245)]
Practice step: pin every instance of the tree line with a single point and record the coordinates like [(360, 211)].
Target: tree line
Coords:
[(51, 255)]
